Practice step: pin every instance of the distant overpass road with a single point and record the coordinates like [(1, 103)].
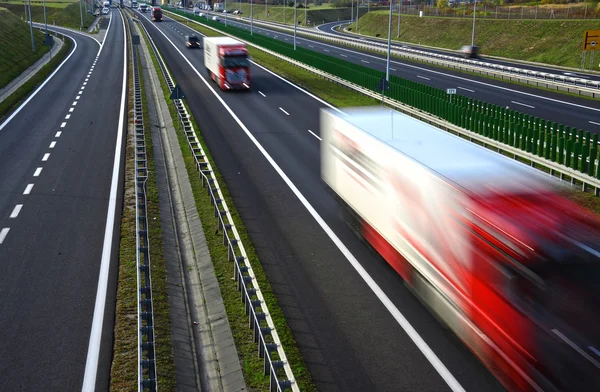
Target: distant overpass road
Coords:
[(569, 110), (344, 318), (330, 28), (57, 167)]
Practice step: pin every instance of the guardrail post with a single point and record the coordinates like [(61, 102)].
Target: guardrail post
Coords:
[(547, 146), (561, 150), (576, 153), (569, 152), (585, 151), (553, 147)]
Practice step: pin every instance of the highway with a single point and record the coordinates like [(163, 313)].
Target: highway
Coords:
[(331, 28), (358, 327), (566, 109), (59, 165)]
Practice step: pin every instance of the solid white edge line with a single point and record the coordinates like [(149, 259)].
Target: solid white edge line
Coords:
[(466, 89), (315, 135), (61, 29), (3, 234), (93, 353), (593, 122), (38, 171), (16, 211), (28, 189), (398, 316), (41, 86)]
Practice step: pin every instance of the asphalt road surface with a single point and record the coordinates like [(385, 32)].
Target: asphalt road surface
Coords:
[(348, 331), (56, 166), (566, 109)]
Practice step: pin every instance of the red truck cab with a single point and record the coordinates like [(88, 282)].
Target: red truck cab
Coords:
[(156, 14)]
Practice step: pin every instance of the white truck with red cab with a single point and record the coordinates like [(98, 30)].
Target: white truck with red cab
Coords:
[(226, 61), (509, 264)]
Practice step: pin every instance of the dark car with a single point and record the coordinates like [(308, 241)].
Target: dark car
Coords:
[(469, 51), (192, 41)]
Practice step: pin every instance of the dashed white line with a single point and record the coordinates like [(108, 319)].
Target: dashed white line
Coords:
[(314, 134), (393, 69), (82, 88), (311, 46), (28, 189), (325, 50), (593, 122), (37, 172), (466, 89), (3, 234), (343, 55), (71, 110), (68, 116), (46, 156), (365, 61), (261, 93), (52, 144), (84, 83), (77, 97), (523, 104), (423, 77), (74, 103), (86, 79), (63, 125), (16, 211), (58, 134), (280, 108)]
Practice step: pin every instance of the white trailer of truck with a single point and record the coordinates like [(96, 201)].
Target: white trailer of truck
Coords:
[(226, 61)]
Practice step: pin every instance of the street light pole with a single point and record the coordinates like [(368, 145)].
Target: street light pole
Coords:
[(473, 34), (387, 65), (81, 15), (357, 8), (352, 13), (31, 28), (305, 5), (225, 12), (45, 20), (252, 17), (295, 22), (399, 9)]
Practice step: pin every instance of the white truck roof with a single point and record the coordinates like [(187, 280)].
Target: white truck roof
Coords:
[(223, 41), (461, 162)]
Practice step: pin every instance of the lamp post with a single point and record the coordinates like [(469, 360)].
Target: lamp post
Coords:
[(387, 65), (399, 12), (45, 20), (474, 13), (81, 15), (252, 17), (295, 22), (225, 5), (31, 28), (357, 8)]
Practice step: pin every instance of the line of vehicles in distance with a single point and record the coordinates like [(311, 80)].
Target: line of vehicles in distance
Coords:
[(155, 11)]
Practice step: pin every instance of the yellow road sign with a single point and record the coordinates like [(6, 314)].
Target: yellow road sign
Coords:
[(591, 40)]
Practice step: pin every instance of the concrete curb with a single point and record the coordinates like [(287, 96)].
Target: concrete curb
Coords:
[(194, 292), (31, 71)]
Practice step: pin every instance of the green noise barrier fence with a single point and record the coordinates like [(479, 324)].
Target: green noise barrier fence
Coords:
[(573, 148)]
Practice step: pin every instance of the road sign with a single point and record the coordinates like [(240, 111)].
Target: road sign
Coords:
[(177, 93), (591, 40), (451, 91)]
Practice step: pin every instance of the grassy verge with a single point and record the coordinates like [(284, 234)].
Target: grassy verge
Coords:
[(68, 16), (252, 365), (15, 46), (124, 368), (19, 95), (554, 42)]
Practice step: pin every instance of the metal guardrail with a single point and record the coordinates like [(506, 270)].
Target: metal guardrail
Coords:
[(147, 376), (555, 168), (265, 335), (549, 80)]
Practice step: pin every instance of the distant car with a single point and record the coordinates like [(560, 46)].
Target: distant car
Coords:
[(143, 8), (216, 18), (225, 11), (192, 41), (237, 12), (469, 51), (202, 14), (105, 11)]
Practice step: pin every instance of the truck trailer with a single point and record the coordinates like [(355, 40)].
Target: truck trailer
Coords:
[(490, 245), (226, 61)]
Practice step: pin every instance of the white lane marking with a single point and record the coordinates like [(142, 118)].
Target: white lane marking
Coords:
[(58, 134), (86, 79), (84, 83), (3, 234), (365, 61), (82, 88), (46, 156), (280, 108), (55, 28), (393, 69), (343, 55), (68, 116), (466, 89), (311, 46), (37, 172), (74, 103), (325, 50), (93, 353), (63, 124), (28, 189), (77, 97), (16, 211), (398, 316), (423, 77), (52, 144), (261, 93), (593, 122), (71, 110), (522, 104), (41, 86), (315, 135)]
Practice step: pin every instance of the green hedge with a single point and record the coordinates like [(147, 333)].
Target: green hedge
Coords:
[(567, 146)]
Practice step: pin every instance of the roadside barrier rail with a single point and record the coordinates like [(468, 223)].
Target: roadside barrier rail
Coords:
[(564, 151), (276, 365)]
